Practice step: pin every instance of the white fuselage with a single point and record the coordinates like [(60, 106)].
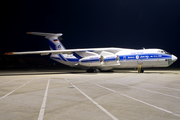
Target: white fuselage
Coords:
[(127, 59)]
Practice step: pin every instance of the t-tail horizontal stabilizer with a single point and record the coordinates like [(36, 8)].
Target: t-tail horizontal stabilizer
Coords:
[(47, 35)]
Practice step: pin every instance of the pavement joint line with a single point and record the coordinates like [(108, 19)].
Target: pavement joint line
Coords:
[(98, 105), (177, 84), (7, 82), (15, 89), (162, 86), (159, 108), (168, 83), (41, 112), (148, 90)]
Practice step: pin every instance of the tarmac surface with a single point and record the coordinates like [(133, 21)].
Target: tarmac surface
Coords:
[(77, 95)]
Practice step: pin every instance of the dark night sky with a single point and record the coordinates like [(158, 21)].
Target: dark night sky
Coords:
[(92, 23)]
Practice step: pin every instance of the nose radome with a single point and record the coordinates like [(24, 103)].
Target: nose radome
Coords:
[(174, 58)]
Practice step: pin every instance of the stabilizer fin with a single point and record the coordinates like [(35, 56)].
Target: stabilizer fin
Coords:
[(46, 34)]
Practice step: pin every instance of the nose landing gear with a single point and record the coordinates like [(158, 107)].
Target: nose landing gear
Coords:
[(140, 70)]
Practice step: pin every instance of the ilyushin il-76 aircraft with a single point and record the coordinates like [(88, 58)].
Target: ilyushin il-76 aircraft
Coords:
[(102, 59)]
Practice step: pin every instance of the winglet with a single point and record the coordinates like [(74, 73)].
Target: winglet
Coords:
[(9, 53)]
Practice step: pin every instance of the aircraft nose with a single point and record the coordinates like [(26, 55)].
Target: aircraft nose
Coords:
[(174, 58)]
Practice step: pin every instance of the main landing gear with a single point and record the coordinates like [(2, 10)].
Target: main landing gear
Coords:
[(93, 70), (140, 70)]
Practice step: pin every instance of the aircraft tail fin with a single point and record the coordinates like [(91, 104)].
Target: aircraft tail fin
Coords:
[(52, 39)]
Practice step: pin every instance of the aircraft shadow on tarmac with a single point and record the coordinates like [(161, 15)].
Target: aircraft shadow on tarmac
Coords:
[(17, 73)]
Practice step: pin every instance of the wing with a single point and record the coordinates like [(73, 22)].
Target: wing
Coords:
[(68, 51)]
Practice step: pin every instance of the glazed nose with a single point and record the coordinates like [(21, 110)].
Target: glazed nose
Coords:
[(174, 58)]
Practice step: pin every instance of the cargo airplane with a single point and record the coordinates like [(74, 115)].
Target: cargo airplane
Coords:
[(102, 59)]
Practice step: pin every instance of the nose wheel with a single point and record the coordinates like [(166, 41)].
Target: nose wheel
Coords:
[(140, 70)]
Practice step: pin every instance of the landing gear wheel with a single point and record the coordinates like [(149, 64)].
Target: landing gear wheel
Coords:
[(89, 70), (141, 71), (96, 70)]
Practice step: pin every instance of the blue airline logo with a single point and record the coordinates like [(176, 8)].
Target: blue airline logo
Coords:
[(137, 56), (59, 46)]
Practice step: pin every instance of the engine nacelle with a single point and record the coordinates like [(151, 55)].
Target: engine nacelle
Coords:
[(94, 61), (91, 61), (110, 60)]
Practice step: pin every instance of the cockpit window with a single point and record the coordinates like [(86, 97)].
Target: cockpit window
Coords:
[(167, 53), (163, 52)]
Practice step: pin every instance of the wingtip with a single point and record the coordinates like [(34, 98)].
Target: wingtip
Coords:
[(28, 32), (9, 53)]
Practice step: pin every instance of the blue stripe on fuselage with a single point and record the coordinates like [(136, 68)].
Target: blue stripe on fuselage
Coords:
[(93, 60), (73, 59), (76, 55), (109, 59), (62, 57), (144, 56)]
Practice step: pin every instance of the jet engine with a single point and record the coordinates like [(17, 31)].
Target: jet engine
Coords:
[(91, 61), (110, 60)]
